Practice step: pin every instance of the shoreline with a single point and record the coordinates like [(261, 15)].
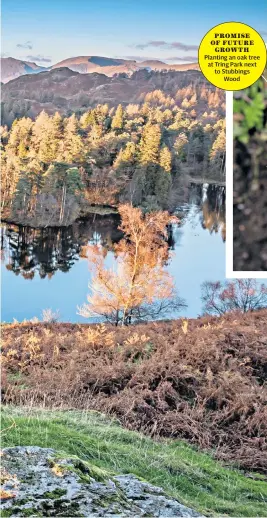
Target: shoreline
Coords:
[(97, 210)]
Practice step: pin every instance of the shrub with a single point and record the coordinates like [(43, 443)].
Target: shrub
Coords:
[(206, 385)]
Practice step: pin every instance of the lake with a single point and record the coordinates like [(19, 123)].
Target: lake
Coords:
[(46, 268)]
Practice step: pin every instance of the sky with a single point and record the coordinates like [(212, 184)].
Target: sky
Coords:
[(52, 30)]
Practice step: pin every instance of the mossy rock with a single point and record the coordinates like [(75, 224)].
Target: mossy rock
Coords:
[(41, 482)]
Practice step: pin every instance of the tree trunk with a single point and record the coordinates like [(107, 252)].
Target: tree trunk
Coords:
[(63, 201)]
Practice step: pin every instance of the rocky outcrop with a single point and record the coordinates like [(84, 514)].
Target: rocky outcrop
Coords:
[(40, 482)]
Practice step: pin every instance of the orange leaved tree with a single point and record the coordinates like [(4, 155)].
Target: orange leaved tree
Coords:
[(138, 288)]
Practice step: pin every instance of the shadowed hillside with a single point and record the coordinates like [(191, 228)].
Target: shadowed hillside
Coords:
[(67, 91)]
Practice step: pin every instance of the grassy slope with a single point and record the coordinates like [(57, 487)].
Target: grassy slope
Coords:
[(193, 478)]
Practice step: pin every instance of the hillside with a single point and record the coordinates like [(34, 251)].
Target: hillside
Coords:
[(12, 68), (116, 155), (160, 65), (102, 65), (66, 91), (111, 66), (200, 380)]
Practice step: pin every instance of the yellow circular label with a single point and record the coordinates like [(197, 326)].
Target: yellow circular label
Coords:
[(232, 56)]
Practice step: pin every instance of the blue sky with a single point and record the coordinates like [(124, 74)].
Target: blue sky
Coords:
[(52, 30)]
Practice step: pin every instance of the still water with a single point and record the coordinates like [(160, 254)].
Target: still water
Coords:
[(47, 269)]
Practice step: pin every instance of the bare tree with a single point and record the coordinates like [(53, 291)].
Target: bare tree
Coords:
[(237, 295)]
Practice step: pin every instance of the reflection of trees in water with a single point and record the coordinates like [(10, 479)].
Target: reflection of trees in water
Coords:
[(27, 251), (213, 210), (210, 200), (205, 204), (30, 251)]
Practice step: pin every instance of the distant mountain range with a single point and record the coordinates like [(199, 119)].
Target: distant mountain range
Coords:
[(12, 68)]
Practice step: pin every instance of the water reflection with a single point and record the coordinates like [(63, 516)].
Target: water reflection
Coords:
[(29, 252), (53, 258), (213, 209), (205, 205)]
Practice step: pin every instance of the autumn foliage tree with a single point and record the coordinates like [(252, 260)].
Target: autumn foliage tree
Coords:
[(133, 153), (139, 287), (117, 121), (236, 295), (218, 151)]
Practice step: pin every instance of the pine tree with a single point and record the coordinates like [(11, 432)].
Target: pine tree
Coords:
[(101, 112), (57, 135), (145, 109), (117, 120), (22, 151), (165, 159), (150, 144), (95, 134), (86, 119), (125, 155), (19, 137), (180, 146), (43, 138), (167, 116), (196, 144), (64, 181), (22, 198), (72, 142), (162, 188), (217, 154), (125, 162), (10, 173)]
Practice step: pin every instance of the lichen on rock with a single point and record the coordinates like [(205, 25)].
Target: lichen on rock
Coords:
[(41, 482)]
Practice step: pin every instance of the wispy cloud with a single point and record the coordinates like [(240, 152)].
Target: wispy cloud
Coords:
[(156, 43), (39, 58), (263, 33), (26, 45), (165, 45)]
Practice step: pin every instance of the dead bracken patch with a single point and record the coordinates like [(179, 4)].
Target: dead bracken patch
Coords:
[(203, 381)]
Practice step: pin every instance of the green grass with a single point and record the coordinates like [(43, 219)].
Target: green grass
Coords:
[(194, 478)]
